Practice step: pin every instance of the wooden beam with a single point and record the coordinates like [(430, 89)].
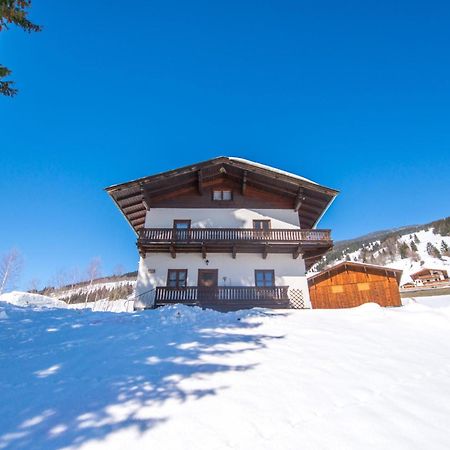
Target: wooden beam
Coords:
[(145, 198), (265, 251), (244, 182), (200, 182), (173, 252), (297, 252), (233, 252), (204, 251), (299, 199)]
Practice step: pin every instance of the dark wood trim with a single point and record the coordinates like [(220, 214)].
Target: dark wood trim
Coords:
[(297, 252), (299, 199), (200, 182), (244, 182)]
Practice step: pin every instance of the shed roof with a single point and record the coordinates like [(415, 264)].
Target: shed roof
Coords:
[(349, 265)]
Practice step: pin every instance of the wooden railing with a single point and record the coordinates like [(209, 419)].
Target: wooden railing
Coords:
[(197, 294), (193, 235)]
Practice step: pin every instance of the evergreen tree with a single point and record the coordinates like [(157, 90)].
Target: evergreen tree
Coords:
[(413, 246), (403, 249), (444, 248), (433, 251), (13, 12), (416, 239)]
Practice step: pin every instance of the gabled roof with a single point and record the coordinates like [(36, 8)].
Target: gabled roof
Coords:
[(308, 197), (349, 265), (427, 269)]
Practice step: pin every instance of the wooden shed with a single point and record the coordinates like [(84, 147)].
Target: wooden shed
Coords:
[(349, 284)]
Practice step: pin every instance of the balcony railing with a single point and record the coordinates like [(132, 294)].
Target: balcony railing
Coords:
[(211, 235), (221, 295)]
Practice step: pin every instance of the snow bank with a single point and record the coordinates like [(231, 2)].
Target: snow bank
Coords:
[(433, 301), (25, 299), (183, 378)]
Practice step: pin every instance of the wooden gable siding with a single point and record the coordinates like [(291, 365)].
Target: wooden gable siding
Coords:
[(308, 198), (189, 197), (354, 286)]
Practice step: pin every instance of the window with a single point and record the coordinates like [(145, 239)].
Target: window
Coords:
[(261, 225), (225, 195), (180, 229), (177, 278), (264, 278), (182, 224)]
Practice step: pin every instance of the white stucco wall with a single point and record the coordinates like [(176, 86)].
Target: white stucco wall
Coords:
[(238, 272), (221, 217)]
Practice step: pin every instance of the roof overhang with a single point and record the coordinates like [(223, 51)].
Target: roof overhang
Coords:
[(311, 200)]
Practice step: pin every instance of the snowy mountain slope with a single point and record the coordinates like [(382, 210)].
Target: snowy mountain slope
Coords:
[(406, 248), (112, 288), (183, 378)]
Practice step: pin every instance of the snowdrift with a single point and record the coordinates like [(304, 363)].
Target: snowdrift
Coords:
[(183, 378), (25, 299)]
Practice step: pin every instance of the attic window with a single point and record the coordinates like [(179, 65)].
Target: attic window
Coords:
[(225, 195)]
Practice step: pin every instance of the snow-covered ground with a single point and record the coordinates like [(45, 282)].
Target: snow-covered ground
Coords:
[(183, 378), (27, 299)]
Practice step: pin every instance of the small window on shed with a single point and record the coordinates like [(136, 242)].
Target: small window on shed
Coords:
[(363, 286), (337, 289)]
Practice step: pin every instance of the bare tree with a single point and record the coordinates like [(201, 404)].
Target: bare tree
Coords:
[(34, 285), (93, 271), (118, 270), (60, 279), (74, 277), (10, 268)]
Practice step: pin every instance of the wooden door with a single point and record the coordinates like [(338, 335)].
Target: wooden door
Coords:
[(207, 284)]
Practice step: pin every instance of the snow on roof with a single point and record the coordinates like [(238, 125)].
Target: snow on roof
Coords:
[(272, 169)]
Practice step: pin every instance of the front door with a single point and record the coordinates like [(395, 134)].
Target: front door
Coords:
[(207, 284)]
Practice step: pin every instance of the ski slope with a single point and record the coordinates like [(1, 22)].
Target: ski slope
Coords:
[(183, 378)]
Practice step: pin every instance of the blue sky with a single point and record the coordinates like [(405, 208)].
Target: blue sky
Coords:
[(354, 95)]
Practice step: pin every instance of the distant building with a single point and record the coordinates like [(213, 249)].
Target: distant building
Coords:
[(226, 233), (430, 277), (349, 284)]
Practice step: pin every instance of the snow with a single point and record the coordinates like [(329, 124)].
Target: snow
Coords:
[(26, 299), (433, 301), (272, 169), (408, 265), (182, 378)]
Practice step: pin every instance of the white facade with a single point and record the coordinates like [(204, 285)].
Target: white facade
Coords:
[(153, 268), (221, 217)]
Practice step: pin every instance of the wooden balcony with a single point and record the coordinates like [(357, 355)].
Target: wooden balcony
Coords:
[(224, 298), (234, 240)]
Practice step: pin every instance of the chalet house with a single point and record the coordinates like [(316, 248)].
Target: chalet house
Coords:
[(350, 284), (226, 233), (430, 277)]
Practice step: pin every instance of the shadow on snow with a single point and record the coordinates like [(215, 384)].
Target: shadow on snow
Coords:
[(68, 377)]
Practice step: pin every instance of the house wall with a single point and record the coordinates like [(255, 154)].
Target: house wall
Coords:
[(221, 217), (238, 272), (350, 288)]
